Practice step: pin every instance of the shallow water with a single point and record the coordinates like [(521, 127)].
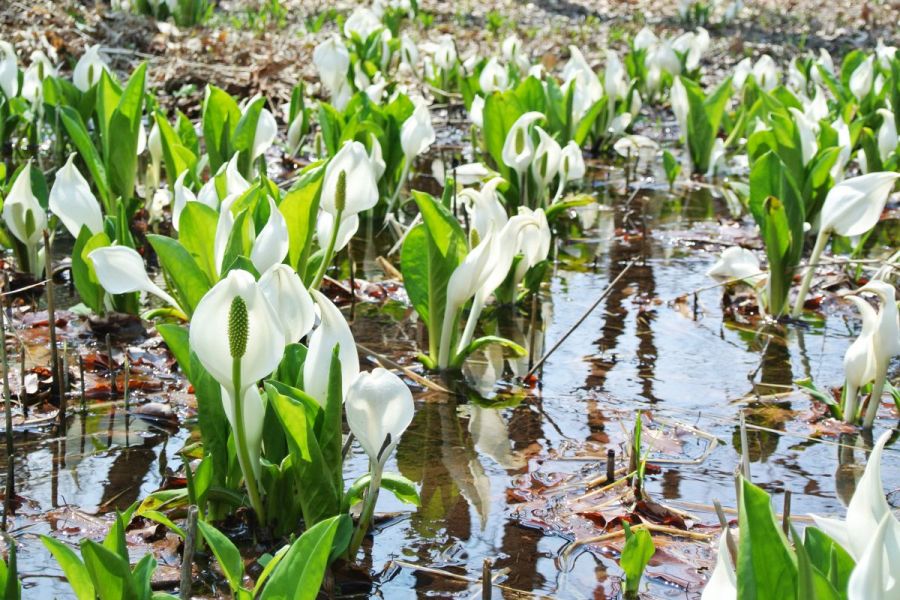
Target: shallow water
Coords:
[(470, 451)]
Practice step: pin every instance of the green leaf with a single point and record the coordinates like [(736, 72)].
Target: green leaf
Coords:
[(766, 565), (9, 575), (812, 584), (227, 554), (299, 574), (220, 118), (190, 282), (124, 128), (83, 273), (297, 413), (197, 232), (500, 112), (830, 558), (162, 519), (402, 488), (299, 208), (704, 119), (75, 571), (517, 350), (79, 135), (110, 573), (636, 554)]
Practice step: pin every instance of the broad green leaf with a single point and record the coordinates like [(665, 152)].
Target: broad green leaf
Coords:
[(226, 552), (812, 584), (190, 282), (402, 488), (636, 553), (75, 571), (220, 118), (517, 350), (197, 232), (9, 575), (81, 138), (766, 565), (124, 126), (299, 574), (500, 112), (829, 558), (83, 274), (110, 573)]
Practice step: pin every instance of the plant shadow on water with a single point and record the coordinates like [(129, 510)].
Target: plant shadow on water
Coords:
[(492, 466)]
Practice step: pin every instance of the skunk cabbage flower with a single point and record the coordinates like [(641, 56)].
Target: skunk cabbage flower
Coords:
[(645, 38), (409, 52), (332, 61), (347, 229), (588, 89), (467, 174), (885, 341), (680, 106), (862, 78), (89, 68), (332, 331), (571, 162), (379, 409), (22, 213), (806, 131), (494, 77), (219, 335), (634, 146), (73, 202), (887, 134), (854, 206), (846, 148), (476, 111), (518, 149), (875, 578), (851, 208), (271, 245), (737, 263), (121, 270), (443, 52), (693, 45), (722, 584), (486, 212), (465, 281), (9, 70), (616, 86), (417, 133), (546, 158), (183, 195), (817, 109), (361, 186), (33, 81), (860, 533), (859, 360), (266, 130), (362, 22), (290, 300)]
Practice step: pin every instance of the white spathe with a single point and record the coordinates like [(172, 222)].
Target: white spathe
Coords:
[(290, 300), (121, 270), (854, 206), (331, 331), (73, 202), (379, 409)]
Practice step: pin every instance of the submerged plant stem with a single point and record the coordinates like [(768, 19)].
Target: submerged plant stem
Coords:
[(240, 440)]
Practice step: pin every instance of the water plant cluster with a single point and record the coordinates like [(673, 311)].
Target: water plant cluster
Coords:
[(231, 259)]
